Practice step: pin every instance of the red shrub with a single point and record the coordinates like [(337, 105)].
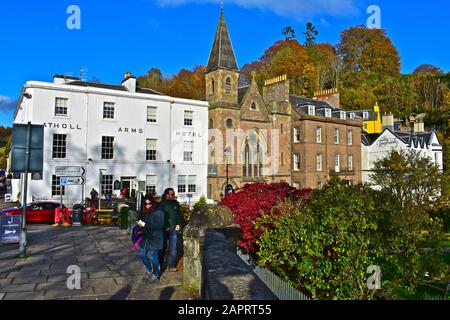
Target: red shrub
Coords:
[(249, 202)]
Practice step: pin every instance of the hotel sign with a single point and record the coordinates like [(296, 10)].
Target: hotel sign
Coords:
[(188, 134), (53, 125), (387, 142)]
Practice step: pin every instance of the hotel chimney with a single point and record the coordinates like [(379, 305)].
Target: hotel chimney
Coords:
[(129, 82)]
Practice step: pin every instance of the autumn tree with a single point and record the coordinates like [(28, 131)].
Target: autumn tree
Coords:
[(185, 84), (153, 79), (327, 63), (428, 68), (369, 51), (431, 91), (292, 59)]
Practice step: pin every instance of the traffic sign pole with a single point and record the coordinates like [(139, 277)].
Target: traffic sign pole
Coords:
[(23, 233)]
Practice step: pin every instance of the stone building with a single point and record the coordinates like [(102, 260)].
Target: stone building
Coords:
[(325, 140), (253, 126), (274, 136)]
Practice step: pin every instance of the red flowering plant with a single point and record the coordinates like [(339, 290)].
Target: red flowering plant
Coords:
[(255, 200)]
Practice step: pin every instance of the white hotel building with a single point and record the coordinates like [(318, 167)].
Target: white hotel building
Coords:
[(379, 145), (134, 135)]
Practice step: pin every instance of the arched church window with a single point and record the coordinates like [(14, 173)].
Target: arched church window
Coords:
[(213, 89), (253, 106), (228, 85), (253, 157)]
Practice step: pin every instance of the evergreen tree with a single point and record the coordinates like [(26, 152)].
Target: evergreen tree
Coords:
[(310, 34)]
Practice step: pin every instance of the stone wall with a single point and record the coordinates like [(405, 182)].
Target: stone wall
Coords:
[(211, 264), (225, 275)]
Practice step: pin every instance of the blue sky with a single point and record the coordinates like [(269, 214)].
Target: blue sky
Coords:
[(135, 35)]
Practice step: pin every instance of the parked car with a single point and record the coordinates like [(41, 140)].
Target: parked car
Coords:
[(37, 212)]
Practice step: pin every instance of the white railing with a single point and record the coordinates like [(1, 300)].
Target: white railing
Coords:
[(279, 287)]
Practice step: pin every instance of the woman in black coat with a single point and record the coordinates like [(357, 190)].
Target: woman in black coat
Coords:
[(152, 222)]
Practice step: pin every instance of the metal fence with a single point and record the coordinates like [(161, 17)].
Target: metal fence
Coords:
[(279, 287)]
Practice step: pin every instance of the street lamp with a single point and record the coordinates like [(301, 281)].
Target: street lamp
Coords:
[(100, 187), (227, 152)]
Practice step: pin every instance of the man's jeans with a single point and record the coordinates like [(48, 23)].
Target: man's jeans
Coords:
[(152, 265), (172, 237)]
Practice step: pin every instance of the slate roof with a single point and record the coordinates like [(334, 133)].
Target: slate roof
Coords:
[(96, 85), (112, 87), (368, 138), (241, 93), (297, 101), (372, 114), (418, 140), (421, 139), (148, 91), (222, 53)]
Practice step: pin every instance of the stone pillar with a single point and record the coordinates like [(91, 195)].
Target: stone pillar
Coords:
[(209, 216), (192, 258)]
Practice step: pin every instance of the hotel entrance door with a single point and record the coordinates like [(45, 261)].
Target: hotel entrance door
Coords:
[(129, 183)]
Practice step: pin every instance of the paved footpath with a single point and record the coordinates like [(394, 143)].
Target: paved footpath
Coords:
[(108, 270)]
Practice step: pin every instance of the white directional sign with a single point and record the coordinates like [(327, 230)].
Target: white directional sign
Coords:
[(68, 181), (70, 171)]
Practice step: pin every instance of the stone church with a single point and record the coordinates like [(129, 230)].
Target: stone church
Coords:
[(250, 131)]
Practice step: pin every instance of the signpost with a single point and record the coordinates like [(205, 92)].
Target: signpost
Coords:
[(27, 153), (69, 176), (72, 181), (10, 229), (70, 171)]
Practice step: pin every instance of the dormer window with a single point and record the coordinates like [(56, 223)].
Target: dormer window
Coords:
[(311, 110), (228, 85), (365, 115), (343, 115), (352, 115), (328, 113)]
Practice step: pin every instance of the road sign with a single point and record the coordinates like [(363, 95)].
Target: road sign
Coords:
[(27, 148), (70, 171), (10, 229), (37, 176), (68, 181), (63, 181)]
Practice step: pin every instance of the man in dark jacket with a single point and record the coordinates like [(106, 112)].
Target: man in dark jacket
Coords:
[(172, 225), (152, 238)]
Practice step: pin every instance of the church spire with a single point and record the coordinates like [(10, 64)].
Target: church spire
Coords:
[(222, 53)]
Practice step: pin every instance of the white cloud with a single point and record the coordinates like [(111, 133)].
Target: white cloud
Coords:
[(298, 9), (6, 104)]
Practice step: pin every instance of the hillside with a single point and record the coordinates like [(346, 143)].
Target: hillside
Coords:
[(5, 137), (2, 158), (365, 66)]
